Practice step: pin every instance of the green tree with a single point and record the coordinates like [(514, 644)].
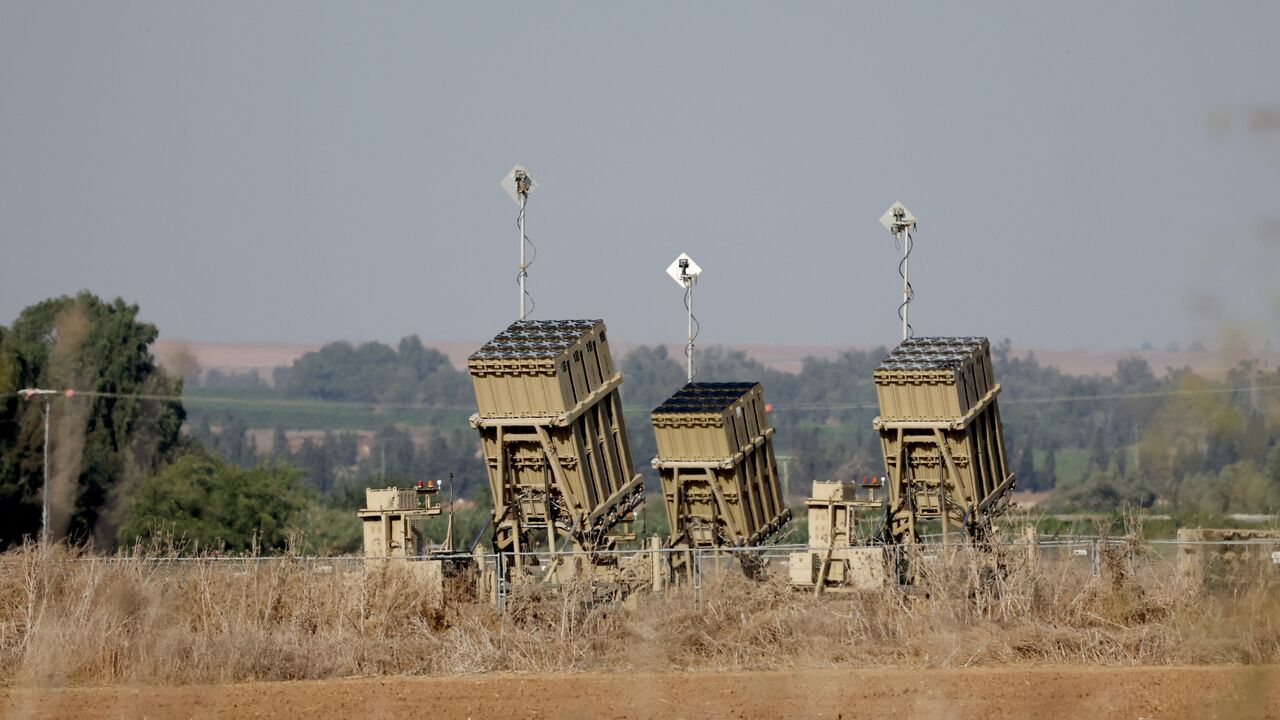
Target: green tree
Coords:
[(234, 443), (328, 528), (1273, 466), (280, 445), (1026, 471), (374, 372), (1104, 491), (651, 376), (1099, 449), (8, 366), (207, 500), (1050, 471), (104, 441)]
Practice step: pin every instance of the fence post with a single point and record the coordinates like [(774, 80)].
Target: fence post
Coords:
[(659, 579), (697, 576), (500, 582), (1096, 568)]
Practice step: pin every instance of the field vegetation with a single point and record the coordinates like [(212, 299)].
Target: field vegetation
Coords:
[(139, 447), (264, 406), (163, 614)]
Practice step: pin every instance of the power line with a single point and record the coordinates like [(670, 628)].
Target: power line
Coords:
[(1127, 396), (1046, 400), (196, 400)]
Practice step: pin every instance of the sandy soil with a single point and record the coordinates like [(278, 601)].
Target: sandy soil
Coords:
[(902, 694)]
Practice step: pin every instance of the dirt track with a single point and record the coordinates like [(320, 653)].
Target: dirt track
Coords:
[(990, 694)]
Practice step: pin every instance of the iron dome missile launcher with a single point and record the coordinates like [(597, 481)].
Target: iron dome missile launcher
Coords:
[(553, 438)]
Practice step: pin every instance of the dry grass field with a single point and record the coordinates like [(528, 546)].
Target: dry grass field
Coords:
[(69, 618), (157, 634)]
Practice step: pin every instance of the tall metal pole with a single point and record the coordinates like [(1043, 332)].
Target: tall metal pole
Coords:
[(906, 284), (46, 396), (685, 272), (689, 364), (899, 222), (518, 184), (44, 511), (524, 198)]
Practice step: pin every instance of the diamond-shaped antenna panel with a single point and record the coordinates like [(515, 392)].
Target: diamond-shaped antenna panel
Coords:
[(897, 218), (511, 183), (684, 274)]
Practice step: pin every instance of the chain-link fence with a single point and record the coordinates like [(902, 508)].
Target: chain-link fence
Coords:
[(1211, 565)]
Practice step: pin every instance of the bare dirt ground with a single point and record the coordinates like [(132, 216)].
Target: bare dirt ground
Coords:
[(1147, 693)]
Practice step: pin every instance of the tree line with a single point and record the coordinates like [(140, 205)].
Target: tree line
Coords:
[(125, 462)]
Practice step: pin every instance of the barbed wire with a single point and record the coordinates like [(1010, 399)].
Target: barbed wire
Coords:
[(174, 556)]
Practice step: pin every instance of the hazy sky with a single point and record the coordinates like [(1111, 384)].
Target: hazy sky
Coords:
[(1085, 174)]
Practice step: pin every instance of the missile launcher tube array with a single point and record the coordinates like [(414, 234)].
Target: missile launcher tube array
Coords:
[(941, 436), (553, 435), (717, 466)]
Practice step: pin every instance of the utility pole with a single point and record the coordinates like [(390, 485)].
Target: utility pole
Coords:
[(47, 396)]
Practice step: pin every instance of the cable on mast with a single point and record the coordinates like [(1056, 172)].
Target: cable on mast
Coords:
[(518, 183), (899, 221), (685, 272)]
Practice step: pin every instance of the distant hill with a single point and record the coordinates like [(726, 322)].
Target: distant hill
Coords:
[(263, 357)]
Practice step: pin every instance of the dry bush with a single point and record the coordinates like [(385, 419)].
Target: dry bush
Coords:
[(155, 615)]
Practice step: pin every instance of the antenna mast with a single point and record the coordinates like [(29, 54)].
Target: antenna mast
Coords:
[(685, 272), (899, 221), (519, 183)]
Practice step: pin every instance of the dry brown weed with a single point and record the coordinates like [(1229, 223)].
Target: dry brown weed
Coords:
[(155, 615)]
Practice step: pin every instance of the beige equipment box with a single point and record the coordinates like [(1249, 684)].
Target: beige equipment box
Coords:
[(392, 521), (1229, 558), (941, 436), (718, 470), (554, 438), (837, 559)]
